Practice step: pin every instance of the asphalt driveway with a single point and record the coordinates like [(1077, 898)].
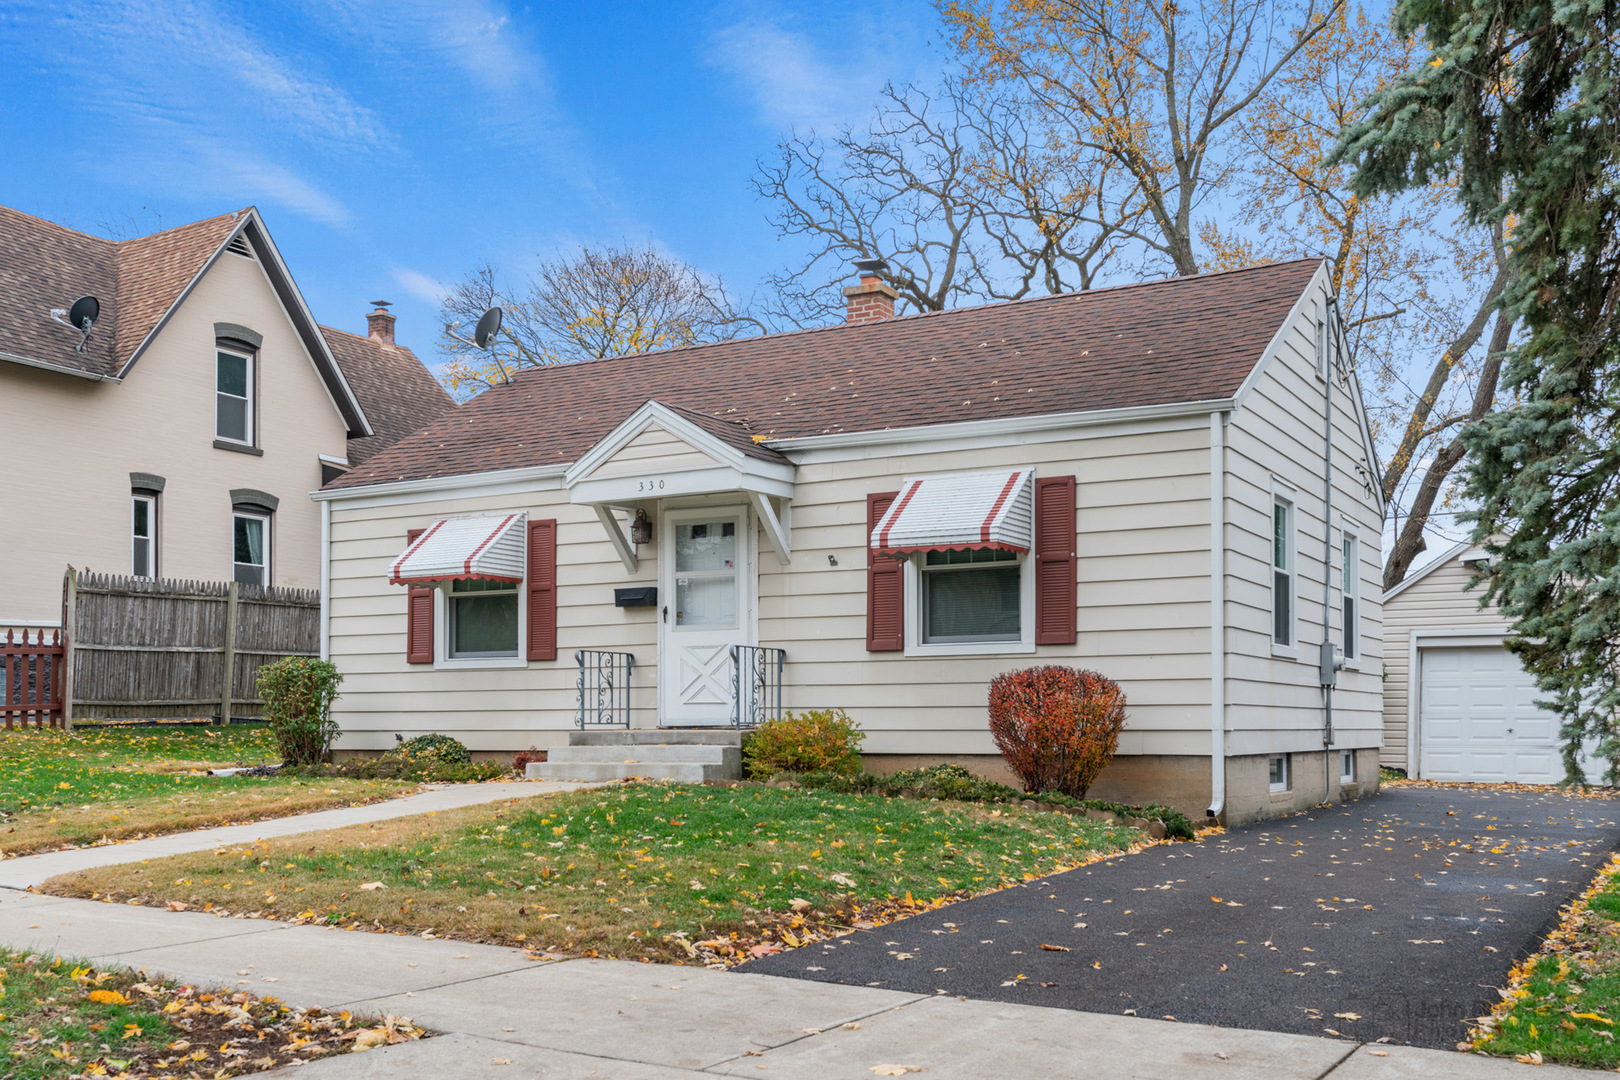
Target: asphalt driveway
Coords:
[(1393, 917)]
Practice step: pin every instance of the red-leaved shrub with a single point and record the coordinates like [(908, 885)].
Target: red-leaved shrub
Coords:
[(521, 762), (1056, 726)]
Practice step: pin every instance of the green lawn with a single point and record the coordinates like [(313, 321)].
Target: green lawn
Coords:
[(631, 871), (1566, 1003), (60, 1018), (59, 788)]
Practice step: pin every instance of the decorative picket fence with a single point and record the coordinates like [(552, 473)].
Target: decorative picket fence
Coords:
[(147, 648), (32, 679)]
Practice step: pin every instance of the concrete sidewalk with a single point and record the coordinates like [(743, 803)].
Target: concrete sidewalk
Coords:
[(29, 871), (505, 1015)]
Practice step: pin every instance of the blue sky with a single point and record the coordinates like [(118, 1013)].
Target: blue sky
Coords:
[(393, 146)]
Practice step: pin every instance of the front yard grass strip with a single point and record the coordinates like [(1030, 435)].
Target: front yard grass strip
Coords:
[(68, 789), (665, 872), (1563, 1004), (61, 1018)]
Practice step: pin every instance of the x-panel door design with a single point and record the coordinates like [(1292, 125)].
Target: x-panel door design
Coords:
[(707, 595)]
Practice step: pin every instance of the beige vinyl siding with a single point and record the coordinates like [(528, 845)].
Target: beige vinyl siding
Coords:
[(655, 449), (488, 708), (74, 507), (1143, 597), (1143, 528), (1440, 600), (1275, 703)]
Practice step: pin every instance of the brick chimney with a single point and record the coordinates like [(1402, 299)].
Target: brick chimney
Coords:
[(380, 324), (872, 299)]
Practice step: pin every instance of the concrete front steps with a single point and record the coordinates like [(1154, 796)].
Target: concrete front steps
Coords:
[(691, 755)]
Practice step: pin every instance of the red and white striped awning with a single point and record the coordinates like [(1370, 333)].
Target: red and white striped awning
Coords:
[(484, 546), (994, 509)]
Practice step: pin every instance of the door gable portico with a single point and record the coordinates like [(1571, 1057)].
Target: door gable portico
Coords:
[(661, 452)]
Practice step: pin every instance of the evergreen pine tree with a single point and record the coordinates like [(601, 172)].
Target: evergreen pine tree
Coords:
[(1517, 105)]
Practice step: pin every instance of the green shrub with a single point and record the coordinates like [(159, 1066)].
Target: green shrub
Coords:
[(952, 781), (433, 748), (1056, 726), (392, 766), (298, 693), (820, 740)]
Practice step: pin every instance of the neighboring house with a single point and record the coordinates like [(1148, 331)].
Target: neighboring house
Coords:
[(889, 513), (1474, 714), (182, 439)]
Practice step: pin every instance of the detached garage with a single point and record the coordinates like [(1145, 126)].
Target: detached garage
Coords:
[(1457, 705)]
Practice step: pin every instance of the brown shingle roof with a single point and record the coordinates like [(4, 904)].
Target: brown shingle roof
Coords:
[(154, 270), (1181, 340), (45, 266), (398, 394)]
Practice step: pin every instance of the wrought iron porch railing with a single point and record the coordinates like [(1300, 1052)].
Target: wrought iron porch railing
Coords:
[(756, 684), (604, 688)]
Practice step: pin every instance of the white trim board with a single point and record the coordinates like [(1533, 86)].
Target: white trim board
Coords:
[(1412, 579)]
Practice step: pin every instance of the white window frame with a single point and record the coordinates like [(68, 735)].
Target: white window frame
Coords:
[(151, 502), (441, 634), (252, 374), (1347, 766), (1282, 495), (268, 564), (1287, 783), (915, 646), (1351, 536)]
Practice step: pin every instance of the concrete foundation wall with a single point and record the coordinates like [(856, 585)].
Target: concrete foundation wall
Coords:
[(1182, 781)]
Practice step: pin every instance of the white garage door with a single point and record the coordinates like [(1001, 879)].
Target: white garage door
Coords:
[(1478, 719)]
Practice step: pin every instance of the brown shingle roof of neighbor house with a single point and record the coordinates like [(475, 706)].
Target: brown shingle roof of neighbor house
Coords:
[(138, 282), (1179, 340), (399, 395), (45, 266)]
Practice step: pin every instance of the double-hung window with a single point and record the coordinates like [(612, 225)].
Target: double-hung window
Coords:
[(1350, 590), (1282, 572), (251, 546), (143, 535), (483, 619), (971, 596), (233, 396)]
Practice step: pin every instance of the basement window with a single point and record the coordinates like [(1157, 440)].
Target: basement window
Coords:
[(1279, 772), (1347, 766)]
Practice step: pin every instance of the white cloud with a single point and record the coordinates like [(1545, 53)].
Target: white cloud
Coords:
[(790, 84), (421, 286)]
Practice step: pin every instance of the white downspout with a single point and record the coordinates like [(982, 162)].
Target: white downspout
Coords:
[(326, 580), (1217, 613)]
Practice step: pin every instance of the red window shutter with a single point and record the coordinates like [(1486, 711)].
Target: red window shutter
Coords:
[(418, 617), (1056, 571), (885, 585), (542, 606)]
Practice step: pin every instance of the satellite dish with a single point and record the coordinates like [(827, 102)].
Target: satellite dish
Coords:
[(489, 324), (84, 313)]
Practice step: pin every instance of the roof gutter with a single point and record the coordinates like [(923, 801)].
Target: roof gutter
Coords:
[(44, 366)]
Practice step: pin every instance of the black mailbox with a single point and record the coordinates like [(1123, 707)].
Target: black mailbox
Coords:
[(639, 596)]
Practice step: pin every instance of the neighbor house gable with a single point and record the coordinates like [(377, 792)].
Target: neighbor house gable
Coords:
[(141, 284)]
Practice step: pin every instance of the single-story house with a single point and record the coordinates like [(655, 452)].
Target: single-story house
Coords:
[(883, 515), (1457, 705)]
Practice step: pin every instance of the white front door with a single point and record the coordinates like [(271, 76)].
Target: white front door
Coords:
[(706, 593)]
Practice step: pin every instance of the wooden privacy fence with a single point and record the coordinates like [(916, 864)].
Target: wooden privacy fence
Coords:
[(154, 648), (32, 679)]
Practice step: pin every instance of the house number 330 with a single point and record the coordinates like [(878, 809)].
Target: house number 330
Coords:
[(649, 485)]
